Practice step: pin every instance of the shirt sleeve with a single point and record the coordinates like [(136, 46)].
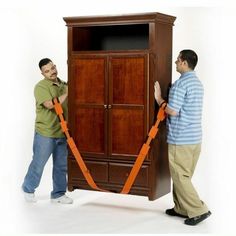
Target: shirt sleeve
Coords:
[(176, 97), (41, 94)]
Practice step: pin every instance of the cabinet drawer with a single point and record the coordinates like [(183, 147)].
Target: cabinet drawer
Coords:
[(118, 174), (98, 170)]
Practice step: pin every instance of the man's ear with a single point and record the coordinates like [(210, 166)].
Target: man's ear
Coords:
[(185, 63)]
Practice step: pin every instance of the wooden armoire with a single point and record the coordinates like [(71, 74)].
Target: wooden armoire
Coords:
[(113, 63)]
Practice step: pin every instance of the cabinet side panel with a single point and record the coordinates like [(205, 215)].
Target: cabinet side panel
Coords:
[(160, 70)]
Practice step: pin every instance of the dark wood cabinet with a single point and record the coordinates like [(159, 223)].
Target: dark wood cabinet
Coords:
[(113, 63)]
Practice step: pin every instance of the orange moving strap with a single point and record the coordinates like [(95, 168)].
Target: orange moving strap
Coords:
[(138, 163), (161, 114), (74, 149), (143, 152), (82, 165), (64, 126), (58, 107), (136, 167), (153, 132)]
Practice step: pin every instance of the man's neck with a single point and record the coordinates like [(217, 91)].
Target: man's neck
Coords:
[(53, 80), (185, 71)]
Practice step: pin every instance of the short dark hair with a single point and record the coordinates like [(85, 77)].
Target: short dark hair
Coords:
[(190, 56), (44, 62)]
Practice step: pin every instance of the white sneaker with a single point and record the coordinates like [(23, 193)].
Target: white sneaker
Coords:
[(29, 197), (63, 200)]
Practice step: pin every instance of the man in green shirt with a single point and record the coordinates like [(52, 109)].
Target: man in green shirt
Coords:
[(49, 138)]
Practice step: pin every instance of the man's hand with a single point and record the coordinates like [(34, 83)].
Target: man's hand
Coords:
[(157, 92), (159, 99), (66, 89)]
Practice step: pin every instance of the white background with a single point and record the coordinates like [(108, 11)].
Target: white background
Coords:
[(31, 30)]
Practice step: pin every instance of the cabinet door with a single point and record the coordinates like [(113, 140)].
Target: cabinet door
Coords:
[(128, 102), (87, 97)]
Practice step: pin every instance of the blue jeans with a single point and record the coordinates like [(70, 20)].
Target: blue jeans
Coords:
[(43, 147)]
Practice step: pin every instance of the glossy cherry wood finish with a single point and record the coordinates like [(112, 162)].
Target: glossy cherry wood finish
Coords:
[(113, 63)]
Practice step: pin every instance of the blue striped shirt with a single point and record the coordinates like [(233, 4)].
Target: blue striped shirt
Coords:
[(186, 98)]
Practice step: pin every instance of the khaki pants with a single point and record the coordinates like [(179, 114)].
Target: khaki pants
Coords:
[(182, 163)]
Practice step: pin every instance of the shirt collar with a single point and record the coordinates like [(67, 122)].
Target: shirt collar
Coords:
[(54, 83), (188, 73)]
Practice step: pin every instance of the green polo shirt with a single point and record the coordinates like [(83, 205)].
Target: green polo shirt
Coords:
[(47, 123)]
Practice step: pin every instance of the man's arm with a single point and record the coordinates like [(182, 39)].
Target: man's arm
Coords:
[(48, 104), (160, 100)]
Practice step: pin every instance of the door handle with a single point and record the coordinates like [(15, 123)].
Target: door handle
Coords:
[(107, 106)]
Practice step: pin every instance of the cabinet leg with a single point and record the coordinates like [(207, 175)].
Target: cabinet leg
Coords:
[(70, 188)]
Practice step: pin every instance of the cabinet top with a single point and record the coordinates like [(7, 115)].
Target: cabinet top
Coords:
[(119, 19)]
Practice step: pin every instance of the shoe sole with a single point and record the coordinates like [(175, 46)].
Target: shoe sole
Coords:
[(59, 202), (198, 220)]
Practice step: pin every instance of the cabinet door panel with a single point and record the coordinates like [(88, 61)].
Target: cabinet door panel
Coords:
[(89, 80), (89, 130), (87, 95), (127, 118), (128, 78), (127, 131)]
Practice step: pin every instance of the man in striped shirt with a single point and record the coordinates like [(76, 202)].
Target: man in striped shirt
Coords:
[(184, 136)]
